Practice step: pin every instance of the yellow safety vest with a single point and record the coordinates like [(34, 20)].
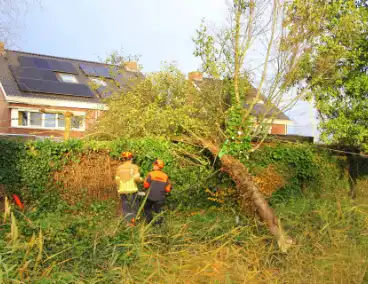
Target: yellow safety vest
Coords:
[(127, 186)]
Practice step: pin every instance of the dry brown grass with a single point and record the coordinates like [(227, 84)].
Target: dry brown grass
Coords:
[(316, 258), (90, 180), (269, 180)]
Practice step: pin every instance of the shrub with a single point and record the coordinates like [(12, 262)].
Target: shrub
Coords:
[(28, 168), (302, 166), (31, 169)]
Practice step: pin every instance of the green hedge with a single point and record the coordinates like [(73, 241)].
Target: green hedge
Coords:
[(26, 167), (305, 166)]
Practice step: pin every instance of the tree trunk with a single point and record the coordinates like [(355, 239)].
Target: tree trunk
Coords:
[(248, 191), (238, 14)]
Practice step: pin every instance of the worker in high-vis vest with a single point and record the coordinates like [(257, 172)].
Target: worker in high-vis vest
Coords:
[(158, 185), (126, 178)]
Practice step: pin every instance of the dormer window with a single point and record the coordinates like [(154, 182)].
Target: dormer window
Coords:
[(99, 82), (68, 78)]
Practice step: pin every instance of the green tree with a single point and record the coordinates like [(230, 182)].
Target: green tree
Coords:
[(162, 104), (335, 65), (220, 114)]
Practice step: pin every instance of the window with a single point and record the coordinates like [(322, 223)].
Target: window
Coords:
[(99, 82), (68, 78), (61, 121), (77, 122), (34, 119), (49, 120), (23, 118)]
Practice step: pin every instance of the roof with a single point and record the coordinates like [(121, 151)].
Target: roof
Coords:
[(265, 107), (9, 82)]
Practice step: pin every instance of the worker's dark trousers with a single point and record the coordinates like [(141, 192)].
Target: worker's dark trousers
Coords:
[(153, 206), (130, 206)]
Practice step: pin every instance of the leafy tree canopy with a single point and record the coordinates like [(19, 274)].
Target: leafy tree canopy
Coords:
[(336, 64), (163, 104)]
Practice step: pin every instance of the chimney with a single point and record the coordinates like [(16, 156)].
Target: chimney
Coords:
[(131, 66), (2, 48), (195, 76)]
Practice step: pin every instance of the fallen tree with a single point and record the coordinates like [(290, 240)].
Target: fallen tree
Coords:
[(249, 194), (224, 107)]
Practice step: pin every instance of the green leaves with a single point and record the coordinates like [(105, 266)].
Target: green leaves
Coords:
[(162, 105), (301, 159), (26, 166), (336, 66), (238, 142)]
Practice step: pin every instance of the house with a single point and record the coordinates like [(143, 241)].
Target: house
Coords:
[(37, 91), (278, 120)]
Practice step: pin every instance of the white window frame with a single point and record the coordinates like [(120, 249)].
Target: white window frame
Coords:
[(15, 117), (56, 121), (99, 82), (64, 77)]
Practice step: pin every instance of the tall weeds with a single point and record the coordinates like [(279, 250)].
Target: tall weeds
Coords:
[(191, 247)]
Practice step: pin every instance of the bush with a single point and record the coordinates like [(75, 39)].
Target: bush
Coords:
[(28, 168), (303, 166)]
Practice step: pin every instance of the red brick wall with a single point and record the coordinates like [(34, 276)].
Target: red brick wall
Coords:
[(278, 129), (4, 114), (46, 132)]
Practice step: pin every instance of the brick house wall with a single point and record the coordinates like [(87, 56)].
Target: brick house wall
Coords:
[(4, 114), (89, 120)]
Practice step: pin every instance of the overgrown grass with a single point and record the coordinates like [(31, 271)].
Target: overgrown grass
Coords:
[(204, 246)]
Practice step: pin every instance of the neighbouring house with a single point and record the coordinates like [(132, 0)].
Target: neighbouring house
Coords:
[(36, 91), (278, 120)]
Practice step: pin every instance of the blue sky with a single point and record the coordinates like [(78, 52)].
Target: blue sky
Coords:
[(158, 31)]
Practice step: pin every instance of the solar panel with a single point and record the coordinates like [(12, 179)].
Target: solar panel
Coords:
[(63, 66), (95, 70), (33, 73), (50, 87), (26, 61), (40, 63), (105, 92), (125, 78), (88, 69), (48, 64), (56, 66), (103, 71)]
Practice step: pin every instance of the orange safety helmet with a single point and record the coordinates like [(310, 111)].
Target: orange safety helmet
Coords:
[(159, 163), (127, 155)]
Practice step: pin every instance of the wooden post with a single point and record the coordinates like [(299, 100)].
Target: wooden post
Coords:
[(68, 122)]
